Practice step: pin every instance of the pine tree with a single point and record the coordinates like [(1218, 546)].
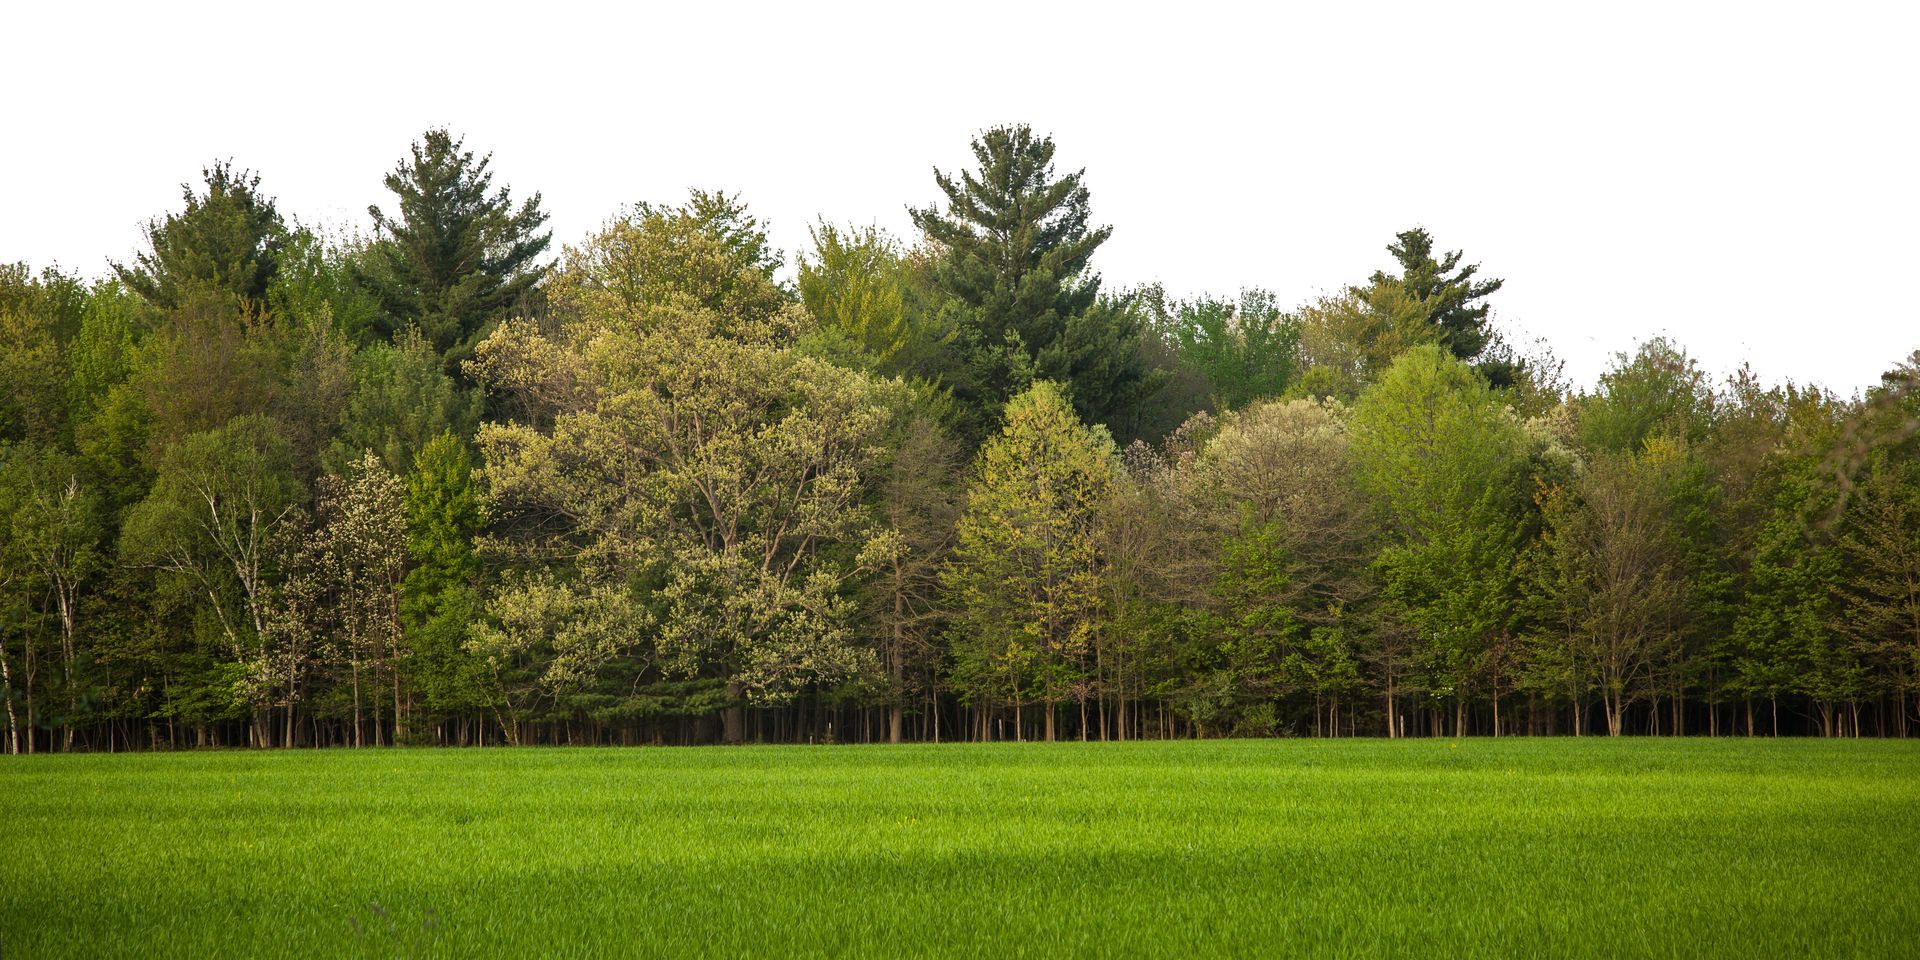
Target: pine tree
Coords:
[(459, 255), (439, 599), (1016, 246), (226, 243), (1454, 298)]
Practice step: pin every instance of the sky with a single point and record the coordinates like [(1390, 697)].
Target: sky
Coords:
[(1741, 178)]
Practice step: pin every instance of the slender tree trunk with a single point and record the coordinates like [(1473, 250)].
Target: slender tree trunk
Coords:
[(399, 721), (6, 691), (66, 663), (1393, 721)]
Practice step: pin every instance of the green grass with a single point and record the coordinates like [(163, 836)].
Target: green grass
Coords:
[(1285, 848)]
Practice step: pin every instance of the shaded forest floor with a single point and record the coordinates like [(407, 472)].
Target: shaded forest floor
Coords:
[(1537, 847)]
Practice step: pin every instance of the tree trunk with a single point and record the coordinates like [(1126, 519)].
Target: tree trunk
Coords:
[(66, 663), (399, 721), (1393, 724), (6, 690), (733, 718)]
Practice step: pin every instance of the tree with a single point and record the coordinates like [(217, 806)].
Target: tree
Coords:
[(1024, 581), (654, 262), (402, 400), (918, 507), (1612, 580), (359, 544), (1880, 586), (439, 599), (56, 530), (217, 519), (459, 255), (1244, 350), (726, 474), (1348, 340), (39, 318), (855, 285), (226, 245), (1453, 298), (1658, 391), (1015, 246), (1440, 459), (1785, 639)]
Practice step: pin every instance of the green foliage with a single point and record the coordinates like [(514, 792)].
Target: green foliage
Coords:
[(458, 255), (1454, 300), (246, 495), (726, 473), (653, 261), (1441, 460), (217, 521), (1025, 577), (317, 281), (1014, 249), (225, 246), (402, 399), (1241, 350), (1348, 340), (1657, 392), (439, 598), (855, 284), (39, 317)]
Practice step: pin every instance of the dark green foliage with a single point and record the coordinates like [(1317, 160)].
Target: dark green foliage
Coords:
[(440, 596), (402, 399), (1014, 246), (225, 245), (1455, 299), (457, 255)]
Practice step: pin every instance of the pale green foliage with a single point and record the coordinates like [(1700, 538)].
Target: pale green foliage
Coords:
[(1025, 581), (727, 471), (705, 255), (853, 285), (1348, 340)]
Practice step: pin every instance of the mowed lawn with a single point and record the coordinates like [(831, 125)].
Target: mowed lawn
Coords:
[(1587, 848)]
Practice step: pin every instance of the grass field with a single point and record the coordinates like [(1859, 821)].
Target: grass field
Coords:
[(1635, 848)]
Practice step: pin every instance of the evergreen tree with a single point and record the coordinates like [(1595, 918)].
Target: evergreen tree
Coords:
[(1015, 248), (459, 255), (227, 244), (1455, 300), (439, 599)]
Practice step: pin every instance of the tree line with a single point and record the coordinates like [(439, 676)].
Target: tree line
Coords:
[(439, 484)]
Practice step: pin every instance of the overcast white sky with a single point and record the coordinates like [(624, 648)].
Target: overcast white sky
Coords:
[(1741, 177)]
